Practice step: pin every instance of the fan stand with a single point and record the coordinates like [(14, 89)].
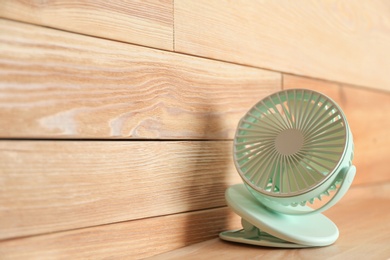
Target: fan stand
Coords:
[(264, 227)]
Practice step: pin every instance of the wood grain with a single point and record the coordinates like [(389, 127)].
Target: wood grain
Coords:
[(362, 219), (342, 41), (56, 84), (148, 23), (367, 112), (48, 186), (128, 240)]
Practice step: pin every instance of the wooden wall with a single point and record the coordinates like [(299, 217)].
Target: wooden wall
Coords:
[(117, 117)]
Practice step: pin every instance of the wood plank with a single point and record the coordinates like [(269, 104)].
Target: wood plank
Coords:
[(362, 219), (48, 186), (367, 113), (336, 40), (148, 23), (127, 240), (55, 84)]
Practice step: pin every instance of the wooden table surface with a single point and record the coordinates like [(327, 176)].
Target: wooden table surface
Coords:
[(363, 219)]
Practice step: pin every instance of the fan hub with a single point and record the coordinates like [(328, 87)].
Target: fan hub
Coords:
[(289, 141)]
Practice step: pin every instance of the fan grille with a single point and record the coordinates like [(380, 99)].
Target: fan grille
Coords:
[(290, 142)]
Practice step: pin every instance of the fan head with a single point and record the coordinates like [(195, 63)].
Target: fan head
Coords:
[(292, 146)]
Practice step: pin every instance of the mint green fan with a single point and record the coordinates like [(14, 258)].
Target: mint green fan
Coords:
[(291, 149)]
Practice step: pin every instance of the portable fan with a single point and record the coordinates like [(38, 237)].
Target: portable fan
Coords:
[(291, 148)]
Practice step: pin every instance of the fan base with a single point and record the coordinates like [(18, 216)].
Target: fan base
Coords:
[(264, 227)]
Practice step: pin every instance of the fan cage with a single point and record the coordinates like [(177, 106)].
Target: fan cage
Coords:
[(290, 142)]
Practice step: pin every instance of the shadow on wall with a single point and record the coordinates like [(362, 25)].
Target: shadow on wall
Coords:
[(212, 162)]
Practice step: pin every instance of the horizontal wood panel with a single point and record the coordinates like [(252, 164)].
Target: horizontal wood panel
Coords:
[(367, 112), (48, 186), (148, 23), (342, 41), (127, 240), (56, 84), (362, 219)]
